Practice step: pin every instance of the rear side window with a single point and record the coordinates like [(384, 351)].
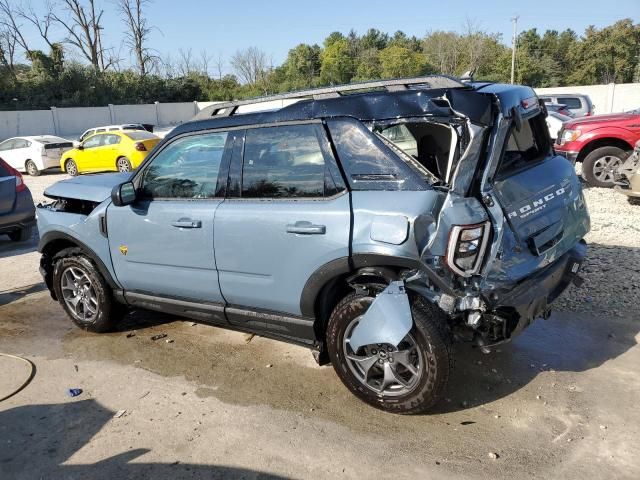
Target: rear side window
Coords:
[(188, 168), (285, 162), (570, 102), (368, 162), (111, 139), (526, 146)]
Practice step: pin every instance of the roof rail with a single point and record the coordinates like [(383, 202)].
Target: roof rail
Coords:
[(225, 109)]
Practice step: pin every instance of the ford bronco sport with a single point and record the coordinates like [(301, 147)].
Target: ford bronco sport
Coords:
[(375, 223)]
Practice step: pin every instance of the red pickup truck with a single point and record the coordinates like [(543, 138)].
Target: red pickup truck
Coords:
[(601, 143)]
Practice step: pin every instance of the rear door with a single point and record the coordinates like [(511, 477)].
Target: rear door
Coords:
[(7, 190), (9, 153), (541, 198), (286, 214)]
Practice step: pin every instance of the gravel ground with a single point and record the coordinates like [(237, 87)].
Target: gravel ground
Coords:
[(612, 269)]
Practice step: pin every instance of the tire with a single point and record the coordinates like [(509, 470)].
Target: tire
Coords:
[(22, 235), (101, 311), (123, 165), (431, 351), (598, 167), (32, 168), (633, 200), (71, 167)]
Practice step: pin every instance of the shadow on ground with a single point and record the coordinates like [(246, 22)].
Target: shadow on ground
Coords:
[(38, 439), (9, 248)]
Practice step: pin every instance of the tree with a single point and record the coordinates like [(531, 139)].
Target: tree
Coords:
[(399, 61), (336, 63), (250, 65), (84, 31), (137, 33), (301, 66)]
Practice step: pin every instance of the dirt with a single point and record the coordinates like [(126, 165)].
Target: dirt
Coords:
[(558, 402)]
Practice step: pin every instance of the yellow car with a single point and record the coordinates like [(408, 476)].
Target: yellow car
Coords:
[(111, 151)]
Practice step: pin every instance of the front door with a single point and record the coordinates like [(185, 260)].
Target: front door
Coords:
[(289, 217), (162, 245)]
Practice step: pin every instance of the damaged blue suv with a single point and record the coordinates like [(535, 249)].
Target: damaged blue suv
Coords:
[(374, 223)]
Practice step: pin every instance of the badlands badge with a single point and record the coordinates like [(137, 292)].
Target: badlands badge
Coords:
[(124, 250)]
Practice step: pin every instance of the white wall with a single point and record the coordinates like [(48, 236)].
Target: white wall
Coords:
[(609, 98), (71, 122), (29, 122)]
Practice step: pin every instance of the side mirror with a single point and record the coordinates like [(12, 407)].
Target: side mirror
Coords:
[(80, 147), (123, 194)]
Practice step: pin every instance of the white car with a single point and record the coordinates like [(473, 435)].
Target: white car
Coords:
[(34, 154), (111, 128), (555, 122)]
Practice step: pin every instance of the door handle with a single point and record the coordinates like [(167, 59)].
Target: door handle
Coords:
[(306, 228), (187, 223)]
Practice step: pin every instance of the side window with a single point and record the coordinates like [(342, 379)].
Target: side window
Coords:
[(20, 143), (100, 130), (186, 168), (111, 139), (94, 141), (284, 162), (6, 145), (368, 162), (570, 102)]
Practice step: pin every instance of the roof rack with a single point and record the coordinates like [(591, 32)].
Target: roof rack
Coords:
[(225, 109)]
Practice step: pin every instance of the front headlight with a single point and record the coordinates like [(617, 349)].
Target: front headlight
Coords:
[(570, 135), (466, 248)]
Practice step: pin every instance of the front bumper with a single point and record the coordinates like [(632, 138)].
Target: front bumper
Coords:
[(571, 156), (531, 298)]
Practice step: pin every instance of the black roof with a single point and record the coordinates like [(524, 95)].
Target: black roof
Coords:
[(473, 99)]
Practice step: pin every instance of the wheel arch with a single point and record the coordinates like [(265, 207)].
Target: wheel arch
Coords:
[(603, 142), (52, 243), (333, 281)]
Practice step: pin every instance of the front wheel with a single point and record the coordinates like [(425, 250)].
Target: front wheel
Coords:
[(407, 378), (71, 167), (84, 294), (123, 165), (599, 167)]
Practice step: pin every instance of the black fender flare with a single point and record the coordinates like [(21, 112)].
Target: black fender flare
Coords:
[(51, 237), (360, 264)]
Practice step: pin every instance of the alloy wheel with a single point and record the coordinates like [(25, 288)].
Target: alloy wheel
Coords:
[(78, 294), (604, 168), (383, 368), (123, 165)]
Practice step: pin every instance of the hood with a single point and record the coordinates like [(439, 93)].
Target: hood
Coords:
[(93, 188), (603, 120)]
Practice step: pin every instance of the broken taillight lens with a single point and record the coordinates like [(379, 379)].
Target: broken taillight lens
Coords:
[(466, 247)]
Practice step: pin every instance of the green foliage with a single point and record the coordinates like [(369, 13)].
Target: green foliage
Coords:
[(544, 60)]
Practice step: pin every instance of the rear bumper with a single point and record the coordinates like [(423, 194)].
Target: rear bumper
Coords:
[(15, 222), (23, 215), (531, 298)]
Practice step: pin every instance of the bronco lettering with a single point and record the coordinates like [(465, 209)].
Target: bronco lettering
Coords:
[(539, 204)]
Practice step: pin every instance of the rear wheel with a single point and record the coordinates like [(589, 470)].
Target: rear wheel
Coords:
[(123, 165), (633, 200), (71, 167), (21, 235), (32, 168), (598, 168), (84, 294), (407, 378)]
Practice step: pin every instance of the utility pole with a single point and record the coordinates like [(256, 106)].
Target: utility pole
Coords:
[(514, 20)]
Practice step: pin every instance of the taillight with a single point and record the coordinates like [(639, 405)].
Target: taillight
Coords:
[(20, 185), (466, 248), (140, 147)]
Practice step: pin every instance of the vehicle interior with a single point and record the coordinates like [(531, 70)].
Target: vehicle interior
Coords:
[(427, 142)]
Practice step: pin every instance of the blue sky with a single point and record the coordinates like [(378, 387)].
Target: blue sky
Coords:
[(223, 27)]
